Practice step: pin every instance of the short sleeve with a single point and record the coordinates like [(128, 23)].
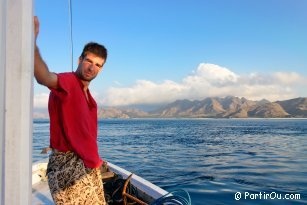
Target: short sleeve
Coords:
[(66, 81)]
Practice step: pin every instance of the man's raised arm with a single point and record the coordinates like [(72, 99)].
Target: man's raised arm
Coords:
[(41, 72)]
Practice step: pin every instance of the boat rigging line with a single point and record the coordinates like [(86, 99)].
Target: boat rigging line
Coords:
[(70, 34)]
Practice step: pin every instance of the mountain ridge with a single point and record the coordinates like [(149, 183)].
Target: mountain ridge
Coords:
[(216, 107)]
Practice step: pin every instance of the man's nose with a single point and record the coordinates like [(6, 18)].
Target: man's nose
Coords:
[(91, 67)]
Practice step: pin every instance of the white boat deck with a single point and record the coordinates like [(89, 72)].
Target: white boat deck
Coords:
[(41, 193), (40, 188)]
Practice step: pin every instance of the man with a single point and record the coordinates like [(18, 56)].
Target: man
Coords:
[(74, 165)]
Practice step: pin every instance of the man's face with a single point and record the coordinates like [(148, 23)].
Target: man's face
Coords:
[(90, 66)]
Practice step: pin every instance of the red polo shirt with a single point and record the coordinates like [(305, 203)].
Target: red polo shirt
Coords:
[(73, 120)]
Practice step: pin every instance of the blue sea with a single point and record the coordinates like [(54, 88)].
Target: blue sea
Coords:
[(218, 161)]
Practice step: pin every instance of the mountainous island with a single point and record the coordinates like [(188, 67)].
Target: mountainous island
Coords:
[(216, 107)]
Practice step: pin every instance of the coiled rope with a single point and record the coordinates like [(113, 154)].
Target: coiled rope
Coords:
[(177, 197)]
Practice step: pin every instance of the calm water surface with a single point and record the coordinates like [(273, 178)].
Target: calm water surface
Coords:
[(212, 159)]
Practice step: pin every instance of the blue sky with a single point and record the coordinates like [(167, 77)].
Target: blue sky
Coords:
[(164, 50)]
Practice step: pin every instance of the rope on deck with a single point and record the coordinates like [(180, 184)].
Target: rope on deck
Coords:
[(177, 197)]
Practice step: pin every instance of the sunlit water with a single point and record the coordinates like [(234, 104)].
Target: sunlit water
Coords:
[(212, 159)]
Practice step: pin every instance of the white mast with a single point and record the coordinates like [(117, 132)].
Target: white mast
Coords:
[(16, 97)]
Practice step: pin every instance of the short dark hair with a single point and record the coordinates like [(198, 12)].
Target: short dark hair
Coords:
[(95, 48)]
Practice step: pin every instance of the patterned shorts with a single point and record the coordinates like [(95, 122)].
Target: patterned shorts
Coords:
[(70, 182)]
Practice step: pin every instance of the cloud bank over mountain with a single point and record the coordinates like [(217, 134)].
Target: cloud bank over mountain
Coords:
[(41, 100), (209, 80)]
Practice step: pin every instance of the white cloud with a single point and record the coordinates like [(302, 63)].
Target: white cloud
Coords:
[(41, 100), (289, 78), (212, 74), (209, 80)]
